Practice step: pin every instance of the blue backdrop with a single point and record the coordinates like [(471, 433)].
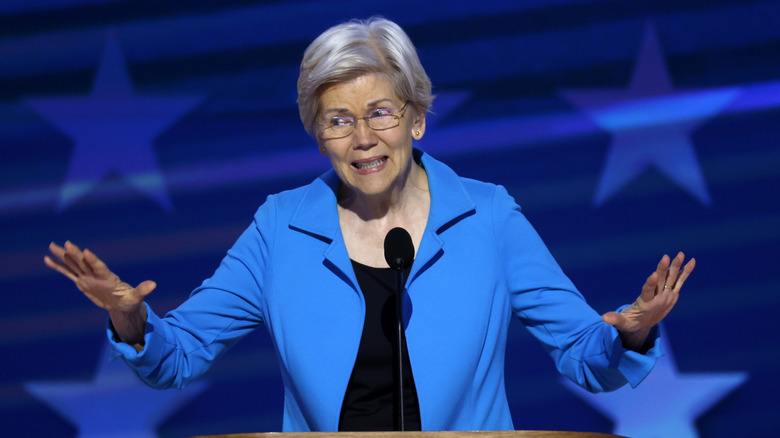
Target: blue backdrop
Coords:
[(151, 131)]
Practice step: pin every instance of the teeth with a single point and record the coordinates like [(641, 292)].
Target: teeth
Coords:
[(370, 164)]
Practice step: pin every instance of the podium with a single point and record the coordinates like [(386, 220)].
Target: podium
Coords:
[(480, 434)]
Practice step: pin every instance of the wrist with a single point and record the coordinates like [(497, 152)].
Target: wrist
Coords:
[(129, 327), (635, 341)]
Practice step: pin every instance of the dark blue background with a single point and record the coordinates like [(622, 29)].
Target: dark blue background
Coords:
[(501, 69)]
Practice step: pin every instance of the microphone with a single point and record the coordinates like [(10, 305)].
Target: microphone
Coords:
[(399, 254), (399, 249)]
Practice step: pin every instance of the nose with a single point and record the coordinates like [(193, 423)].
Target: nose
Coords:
[(363, 134)]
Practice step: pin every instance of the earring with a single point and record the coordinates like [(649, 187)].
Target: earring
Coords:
[(417, 133)]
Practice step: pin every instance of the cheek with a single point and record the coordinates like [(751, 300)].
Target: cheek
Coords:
[(401, 138)]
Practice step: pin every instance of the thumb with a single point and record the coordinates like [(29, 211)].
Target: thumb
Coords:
[(612, 318), (146, 287)]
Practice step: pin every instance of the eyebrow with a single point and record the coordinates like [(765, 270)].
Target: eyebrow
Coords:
[(371, 104)]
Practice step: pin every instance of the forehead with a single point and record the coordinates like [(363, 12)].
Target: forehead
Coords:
[(358, 94)]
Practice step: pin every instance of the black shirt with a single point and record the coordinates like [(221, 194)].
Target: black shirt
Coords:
[(368, 403)]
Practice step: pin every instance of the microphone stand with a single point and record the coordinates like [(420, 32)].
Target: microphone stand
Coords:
[(400, 347), (399, 253)]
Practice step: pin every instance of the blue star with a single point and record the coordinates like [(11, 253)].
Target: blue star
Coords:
[(113, 130), (666, 404), (651, 123), (116, 404)]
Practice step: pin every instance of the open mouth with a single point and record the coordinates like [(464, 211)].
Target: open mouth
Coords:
[(370, 163)]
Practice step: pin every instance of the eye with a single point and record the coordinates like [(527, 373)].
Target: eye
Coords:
[(380, 112), (341, 121)]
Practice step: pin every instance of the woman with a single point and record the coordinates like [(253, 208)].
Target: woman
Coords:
[(311, 268)]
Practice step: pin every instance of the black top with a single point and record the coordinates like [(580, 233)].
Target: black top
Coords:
[(368, 403)]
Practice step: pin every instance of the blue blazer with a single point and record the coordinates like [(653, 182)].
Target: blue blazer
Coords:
[(479, 264)]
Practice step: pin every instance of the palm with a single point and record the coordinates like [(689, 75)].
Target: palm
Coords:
[(659, 295), (95, 280), (109, 292)]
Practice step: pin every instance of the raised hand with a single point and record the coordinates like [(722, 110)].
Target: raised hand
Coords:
[(92, 277), (659, 294)]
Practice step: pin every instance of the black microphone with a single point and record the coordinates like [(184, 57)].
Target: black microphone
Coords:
[(399, 249), (399, 254)]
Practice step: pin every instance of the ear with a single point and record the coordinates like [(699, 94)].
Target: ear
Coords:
[(323, 151), (418, 128)]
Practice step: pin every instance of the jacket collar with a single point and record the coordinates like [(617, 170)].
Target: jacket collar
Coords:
[(449, 200), (317, 213), (317, 216)]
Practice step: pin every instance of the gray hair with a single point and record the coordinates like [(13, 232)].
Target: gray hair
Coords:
[(355, 48)]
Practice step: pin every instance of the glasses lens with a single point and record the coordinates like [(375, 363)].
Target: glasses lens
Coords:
[(333, 132), (337, 127), (382, 122)]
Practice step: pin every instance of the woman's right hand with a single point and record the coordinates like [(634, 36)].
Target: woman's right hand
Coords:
[(124, 303)]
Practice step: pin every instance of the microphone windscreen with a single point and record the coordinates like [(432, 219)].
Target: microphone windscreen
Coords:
[(399, 249)]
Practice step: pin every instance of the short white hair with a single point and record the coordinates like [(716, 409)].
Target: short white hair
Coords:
[(356, 48)]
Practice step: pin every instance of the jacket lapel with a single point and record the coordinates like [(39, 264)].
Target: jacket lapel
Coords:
[(449, 205), (317, 216)]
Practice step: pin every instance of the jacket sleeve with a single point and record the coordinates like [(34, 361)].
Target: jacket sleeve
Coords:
[(182, 345), (584, 348)]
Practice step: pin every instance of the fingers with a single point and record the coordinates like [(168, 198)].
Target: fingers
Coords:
[(146, 288), (669, 276), (59, 264), (675, 278), (57, 250), (650, 287), (74, 258), (674, 269), (662, 271), (613, 318), (72, 262), (68, 258), (60, 267), (684, 275), (669, 272), (95, 265)]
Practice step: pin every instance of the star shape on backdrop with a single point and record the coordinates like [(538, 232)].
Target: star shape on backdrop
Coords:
[(113, 129), (101, 408), (651, 123), (666, 404)]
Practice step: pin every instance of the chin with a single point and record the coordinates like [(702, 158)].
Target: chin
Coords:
[(372, 190), (373, 185)]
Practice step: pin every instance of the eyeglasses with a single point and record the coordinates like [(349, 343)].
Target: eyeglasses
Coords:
[(379, 119)]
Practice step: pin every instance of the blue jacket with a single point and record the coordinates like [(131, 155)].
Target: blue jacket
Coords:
[(479, 263)]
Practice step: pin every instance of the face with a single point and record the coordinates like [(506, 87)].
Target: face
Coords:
[(370, 162)]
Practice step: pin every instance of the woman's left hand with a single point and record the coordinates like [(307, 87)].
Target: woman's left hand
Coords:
[(659, 294)]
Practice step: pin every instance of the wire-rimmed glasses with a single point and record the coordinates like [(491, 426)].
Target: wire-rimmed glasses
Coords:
[(378, 119)]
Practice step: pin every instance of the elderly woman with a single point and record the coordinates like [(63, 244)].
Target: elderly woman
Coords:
[(311, 268)]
